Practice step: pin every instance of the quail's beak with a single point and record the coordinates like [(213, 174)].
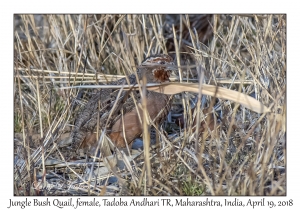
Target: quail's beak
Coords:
[(171, 68)]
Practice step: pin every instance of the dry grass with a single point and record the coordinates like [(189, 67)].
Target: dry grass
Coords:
[(244, 155)]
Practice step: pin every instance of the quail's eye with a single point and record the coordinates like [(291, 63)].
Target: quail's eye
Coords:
[(162, 62)]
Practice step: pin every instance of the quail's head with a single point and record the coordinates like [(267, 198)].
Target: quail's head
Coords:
[(156, 68)]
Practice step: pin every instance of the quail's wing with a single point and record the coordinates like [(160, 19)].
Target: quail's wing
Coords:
[(97, 108), (126, 105)]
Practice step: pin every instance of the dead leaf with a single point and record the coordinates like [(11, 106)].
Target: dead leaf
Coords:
[(211, 90)]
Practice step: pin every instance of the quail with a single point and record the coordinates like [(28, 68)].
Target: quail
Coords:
[(126, 113)]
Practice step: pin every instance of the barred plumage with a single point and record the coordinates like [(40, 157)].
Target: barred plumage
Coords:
[(155, 69)]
